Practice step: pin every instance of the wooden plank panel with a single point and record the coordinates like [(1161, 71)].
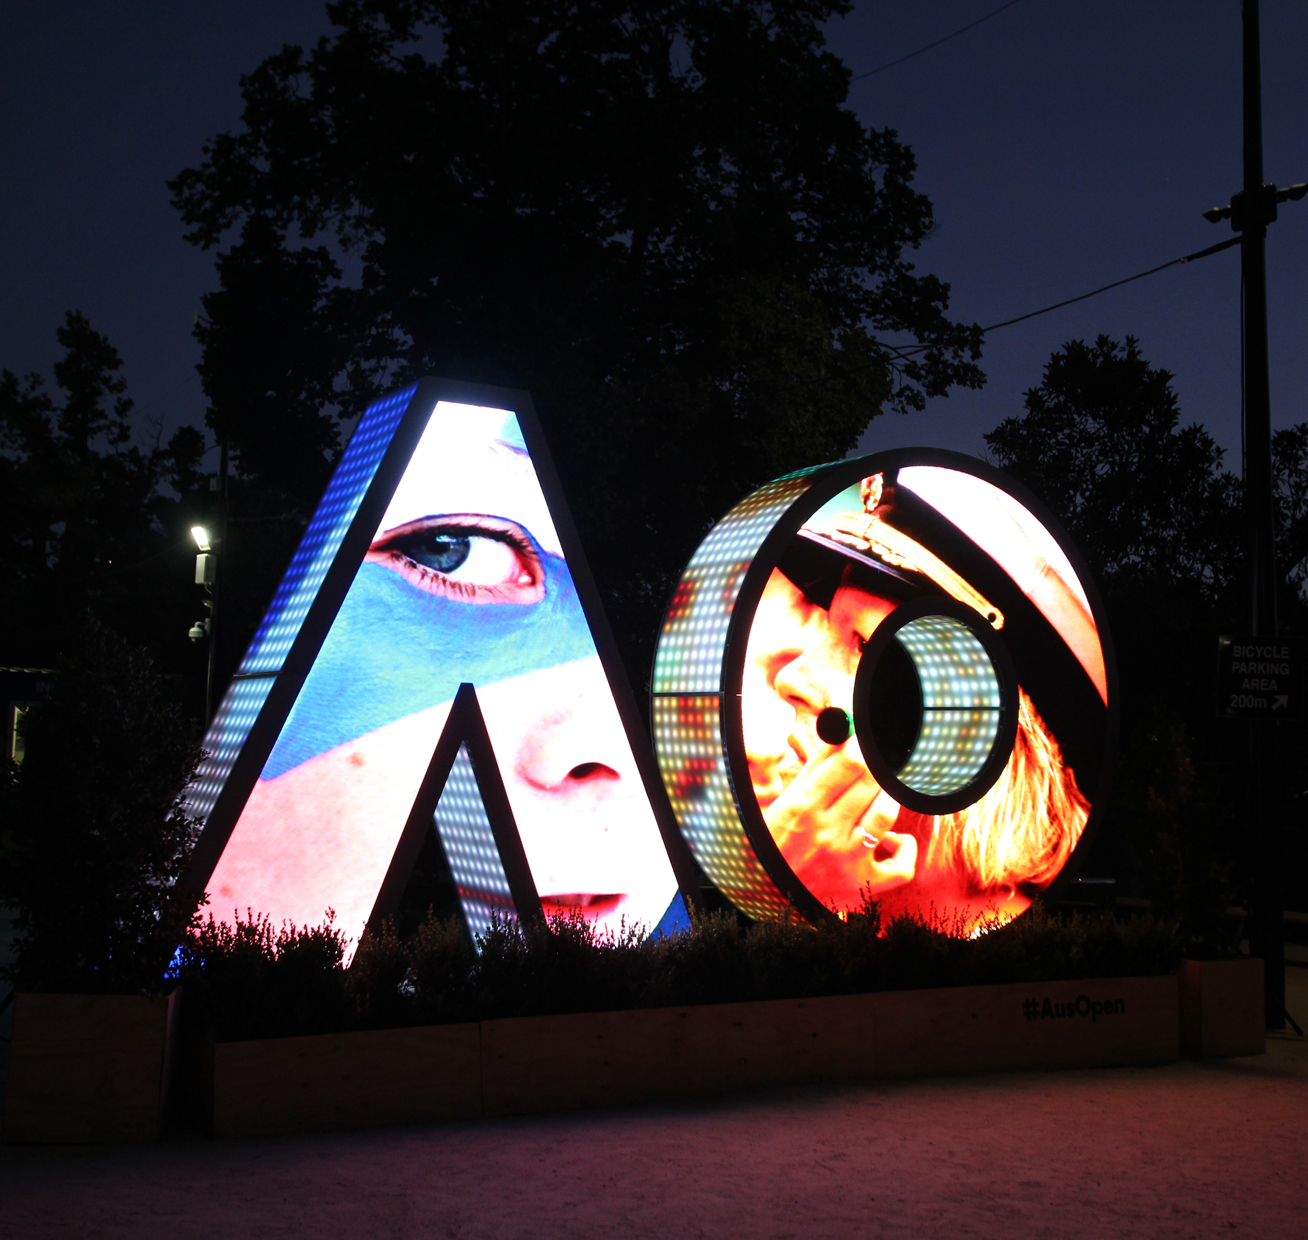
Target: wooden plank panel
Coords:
[(348, 1080), (542, 1063), (549, 1063), (1023, 1026), (745, 1045), (604, 1058), (85, 1068), (1222, 1008)]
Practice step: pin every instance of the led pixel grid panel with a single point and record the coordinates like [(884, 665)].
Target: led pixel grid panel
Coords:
[(463, 580), (689, 655), (250, 686), (1017, 756), (692, 761), (963, 701), (464, 830)]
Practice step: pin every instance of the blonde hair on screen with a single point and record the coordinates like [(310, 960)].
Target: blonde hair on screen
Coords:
[(1024, 829)]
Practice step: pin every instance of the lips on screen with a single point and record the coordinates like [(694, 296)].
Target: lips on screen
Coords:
[(465, 581)]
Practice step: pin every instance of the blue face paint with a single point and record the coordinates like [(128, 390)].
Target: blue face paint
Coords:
[(396, 649), (510, 433)]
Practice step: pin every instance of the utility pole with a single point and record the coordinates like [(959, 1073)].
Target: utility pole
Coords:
[(1250, 211), (1267, 923)]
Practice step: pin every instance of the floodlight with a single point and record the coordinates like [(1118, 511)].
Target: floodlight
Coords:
[(201, 536)]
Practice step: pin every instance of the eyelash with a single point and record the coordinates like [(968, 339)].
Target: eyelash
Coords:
[(387, 550)]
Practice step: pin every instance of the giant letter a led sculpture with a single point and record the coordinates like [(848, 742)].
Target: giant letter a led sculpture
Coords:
[(440, 556)]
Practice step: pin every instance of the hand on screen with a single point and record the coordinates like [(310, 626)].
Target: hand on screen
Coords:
[(892, 860), (824, 819)]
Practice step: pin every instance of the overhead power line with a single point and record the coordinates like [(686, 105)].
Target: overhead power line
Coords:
[(1071, 301), (961, 30)]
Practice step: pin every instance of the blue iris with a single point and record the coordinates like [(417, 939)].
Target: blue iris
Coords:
[(396, 649)]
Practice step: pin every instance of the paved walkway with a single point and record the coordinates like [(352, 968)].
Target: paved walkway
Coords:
[(1187, 1150)]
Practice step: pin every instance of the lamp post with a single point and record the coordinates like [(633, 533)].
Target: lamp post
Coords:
[(206, 575)]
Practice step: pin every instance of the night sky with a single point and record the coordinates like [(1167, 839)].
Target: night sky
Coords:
[(1063, 145)]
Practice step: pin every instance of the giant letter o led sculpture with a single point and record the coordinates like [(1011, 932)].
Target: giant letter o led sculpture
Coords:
[(886, 678)]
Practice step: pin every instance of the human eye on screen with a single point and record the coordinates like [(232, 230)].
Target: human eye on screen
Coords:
[(470, 557)]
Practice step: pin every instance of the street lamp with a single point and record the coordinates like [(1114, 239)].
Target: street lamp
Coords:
[(206, 575)]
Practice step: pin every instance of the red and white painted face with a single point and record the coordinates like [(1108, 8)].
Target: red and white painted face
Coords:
[(842, 834), (831, 820)]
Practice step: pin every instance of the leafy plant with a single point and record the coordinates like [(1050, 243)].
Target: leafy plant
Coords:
[(663, 220), (89, 518), (93, 831), (251, 982), (1160, 520), (258, 977)]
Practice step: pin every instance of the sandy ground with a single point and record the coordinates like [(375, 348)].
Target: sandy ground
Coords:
[(1194, 1149)]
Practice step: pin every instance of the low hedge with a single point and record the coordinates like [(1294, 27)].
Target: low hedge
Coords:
[(255, 981)]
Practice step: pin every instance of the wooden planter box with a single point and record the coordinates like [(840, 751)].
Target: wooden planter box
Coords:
[(1222, 1010), (88, 1067), (343, 1080), (546, 1063)]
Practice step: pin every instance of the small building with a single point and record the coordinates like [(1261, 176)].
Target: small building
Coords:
[(20, 688)]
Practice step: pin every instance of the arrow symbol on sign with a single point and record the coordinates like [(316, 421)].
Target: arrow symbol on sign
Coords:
[(1282, 699)]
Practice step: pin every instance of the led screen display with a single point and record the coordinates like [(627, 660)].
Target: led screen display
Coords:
[(461, 580), (282, 623), (884, 678)]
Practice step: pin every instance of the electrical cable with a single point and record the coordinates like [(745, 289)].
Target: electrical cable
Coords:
[(1071, 301), (961, 30)]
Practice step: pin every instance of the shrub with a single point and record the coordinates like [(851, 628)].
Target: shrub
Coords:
[(252, 982), (93, 832)]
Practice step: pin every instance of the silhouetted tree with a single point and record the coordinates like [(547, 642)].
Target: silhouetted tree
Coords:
[(1161, 522), (88, 518), (659, 218), (93, 835), (1146, 498)]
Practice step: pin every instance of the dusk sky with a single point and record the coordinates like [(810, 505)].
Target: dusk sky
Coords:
[(1063, 145)]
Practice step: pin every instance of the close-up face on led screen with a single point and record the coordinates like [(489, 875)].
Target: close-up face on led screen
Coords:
[(464, 581), (916, 703)]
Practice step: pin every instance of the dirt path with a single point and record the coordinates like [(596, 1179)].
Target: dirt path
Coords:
[(1187, 1150)]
